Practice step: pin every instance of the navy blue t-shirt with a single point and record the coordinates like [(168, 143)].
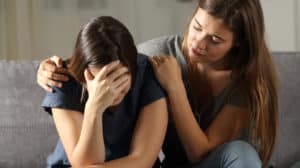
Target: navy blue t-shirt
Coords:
[(118, 126)]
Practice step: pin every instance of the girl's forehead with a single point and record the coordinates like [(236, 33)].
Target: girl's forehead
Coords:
[(211, 24)]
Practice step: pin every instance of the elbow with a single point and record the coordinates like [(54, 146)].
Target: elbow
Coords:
[(81, 162), (77, 163), (82, 159), (194, 158), (196, 155), (142, 161)]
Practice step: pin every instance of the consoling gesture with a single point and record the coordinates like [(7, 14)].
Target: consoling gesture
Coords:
[(220, 84)]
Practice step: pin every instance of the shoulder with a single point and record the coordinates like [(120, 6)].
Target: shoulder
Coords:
[(68, 97), (159, 46), (143, 69), (69, 88), (146, 87)]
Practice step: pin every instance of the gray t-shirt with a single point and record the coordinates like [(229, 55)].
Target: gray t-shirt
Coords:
[(173, 150)]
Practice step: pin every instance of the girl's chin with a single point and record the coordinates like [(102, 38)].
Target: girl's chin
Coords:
[(194, 58)]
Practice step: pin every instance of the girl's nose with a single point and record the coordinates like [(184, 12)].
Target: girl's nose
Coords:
[(201, 41)]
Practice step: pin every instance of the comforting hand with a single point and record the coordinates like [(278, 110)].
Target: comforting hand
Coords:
[(51, 73), (167, 71), (106, 86)]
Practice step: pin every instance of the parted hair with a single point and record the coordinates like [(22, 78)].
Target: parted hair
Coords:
[(101, 41)]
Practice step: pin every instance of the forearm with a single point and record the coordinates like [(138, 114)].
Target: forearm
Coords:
[(90, 148), (146, 141), (124, 162), (129, 161), (192, 137)]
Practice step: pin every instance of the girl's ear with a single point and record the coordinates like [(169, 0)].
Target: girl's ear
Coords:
[(88, 76)]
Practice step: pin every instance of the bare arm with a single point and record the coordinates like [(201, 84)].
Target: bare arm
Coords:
[(226, 126), (147, 140), (82, 135), (197, 143)]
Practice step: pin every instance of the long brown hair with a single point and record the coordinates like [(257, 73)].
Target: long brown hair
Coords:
[(101, 41), (252, 67)]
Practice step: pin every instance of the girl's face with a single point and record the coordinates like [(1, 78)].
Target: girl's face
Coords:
[(95, 70), (208, 39)]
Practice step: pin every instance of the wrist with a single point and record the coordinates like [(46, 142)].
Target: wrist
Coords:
[(94, 108), (175, 87)]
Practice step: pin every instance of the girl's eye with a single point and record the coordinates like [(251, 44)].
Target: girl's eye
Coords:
[(215, 40), (197, 28)]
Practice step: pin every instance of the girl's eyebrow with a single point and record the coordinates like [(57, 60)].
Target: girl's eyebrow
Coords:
[(219, 37), (197, 22)]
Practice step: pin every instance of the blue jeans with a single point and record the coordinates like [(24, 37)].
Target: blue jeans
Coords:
[(235, 154)]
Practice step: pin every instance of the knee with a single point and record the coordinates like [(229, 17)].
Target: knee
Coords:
[(239, 154)]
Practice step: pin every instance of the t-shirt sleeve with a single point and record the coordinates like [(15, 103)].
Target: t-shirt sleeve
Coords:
[(151, 89), (157, 46), (67, 97)]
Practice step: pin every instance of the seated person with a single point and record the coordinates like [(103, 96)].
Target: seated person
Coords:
[(112, 112)]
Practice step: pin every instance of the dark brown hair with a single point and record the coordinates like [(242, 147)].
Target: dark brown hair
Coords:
[(101, 41), (252, 67)]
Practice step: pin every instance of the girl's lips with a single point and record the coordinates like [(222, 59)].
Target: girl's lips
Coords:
[(195, 52), (198, 53)]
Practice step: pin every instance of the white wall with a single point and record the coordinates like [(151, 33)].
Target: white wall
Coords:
[(298, 26), (36, 29), (282, 20), (3, 48)]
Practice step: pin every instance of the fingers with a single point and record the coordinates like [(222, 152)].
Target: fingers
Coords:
[(45, 83), (62, 71), (50, 66), (123, 87), (119, 72), (45, 86), (107, 69), (122, 84), (49, 70), (153, 62), (57, 60), (49, 73), (47, 78), (54, 76), (118, 83), (156, 61)]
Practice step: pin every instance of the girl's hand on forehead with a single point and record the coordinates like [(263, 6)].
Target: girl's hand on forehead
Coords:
[(107, 85)]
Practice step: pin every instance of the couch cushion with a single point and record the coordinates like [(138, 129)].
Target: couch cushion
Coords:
[(287, 150), (27, 134)]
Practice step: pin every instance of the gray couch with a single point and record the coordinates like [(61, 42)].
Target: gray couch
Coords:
[(27, 134)]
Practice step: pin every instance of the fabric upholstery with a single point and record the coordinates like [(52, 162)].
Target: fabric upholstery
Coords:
[(27, 134)]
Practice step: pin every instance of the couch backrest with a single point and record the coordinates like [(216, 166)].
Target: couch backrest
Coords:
[(27, 134), (287, 150)]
